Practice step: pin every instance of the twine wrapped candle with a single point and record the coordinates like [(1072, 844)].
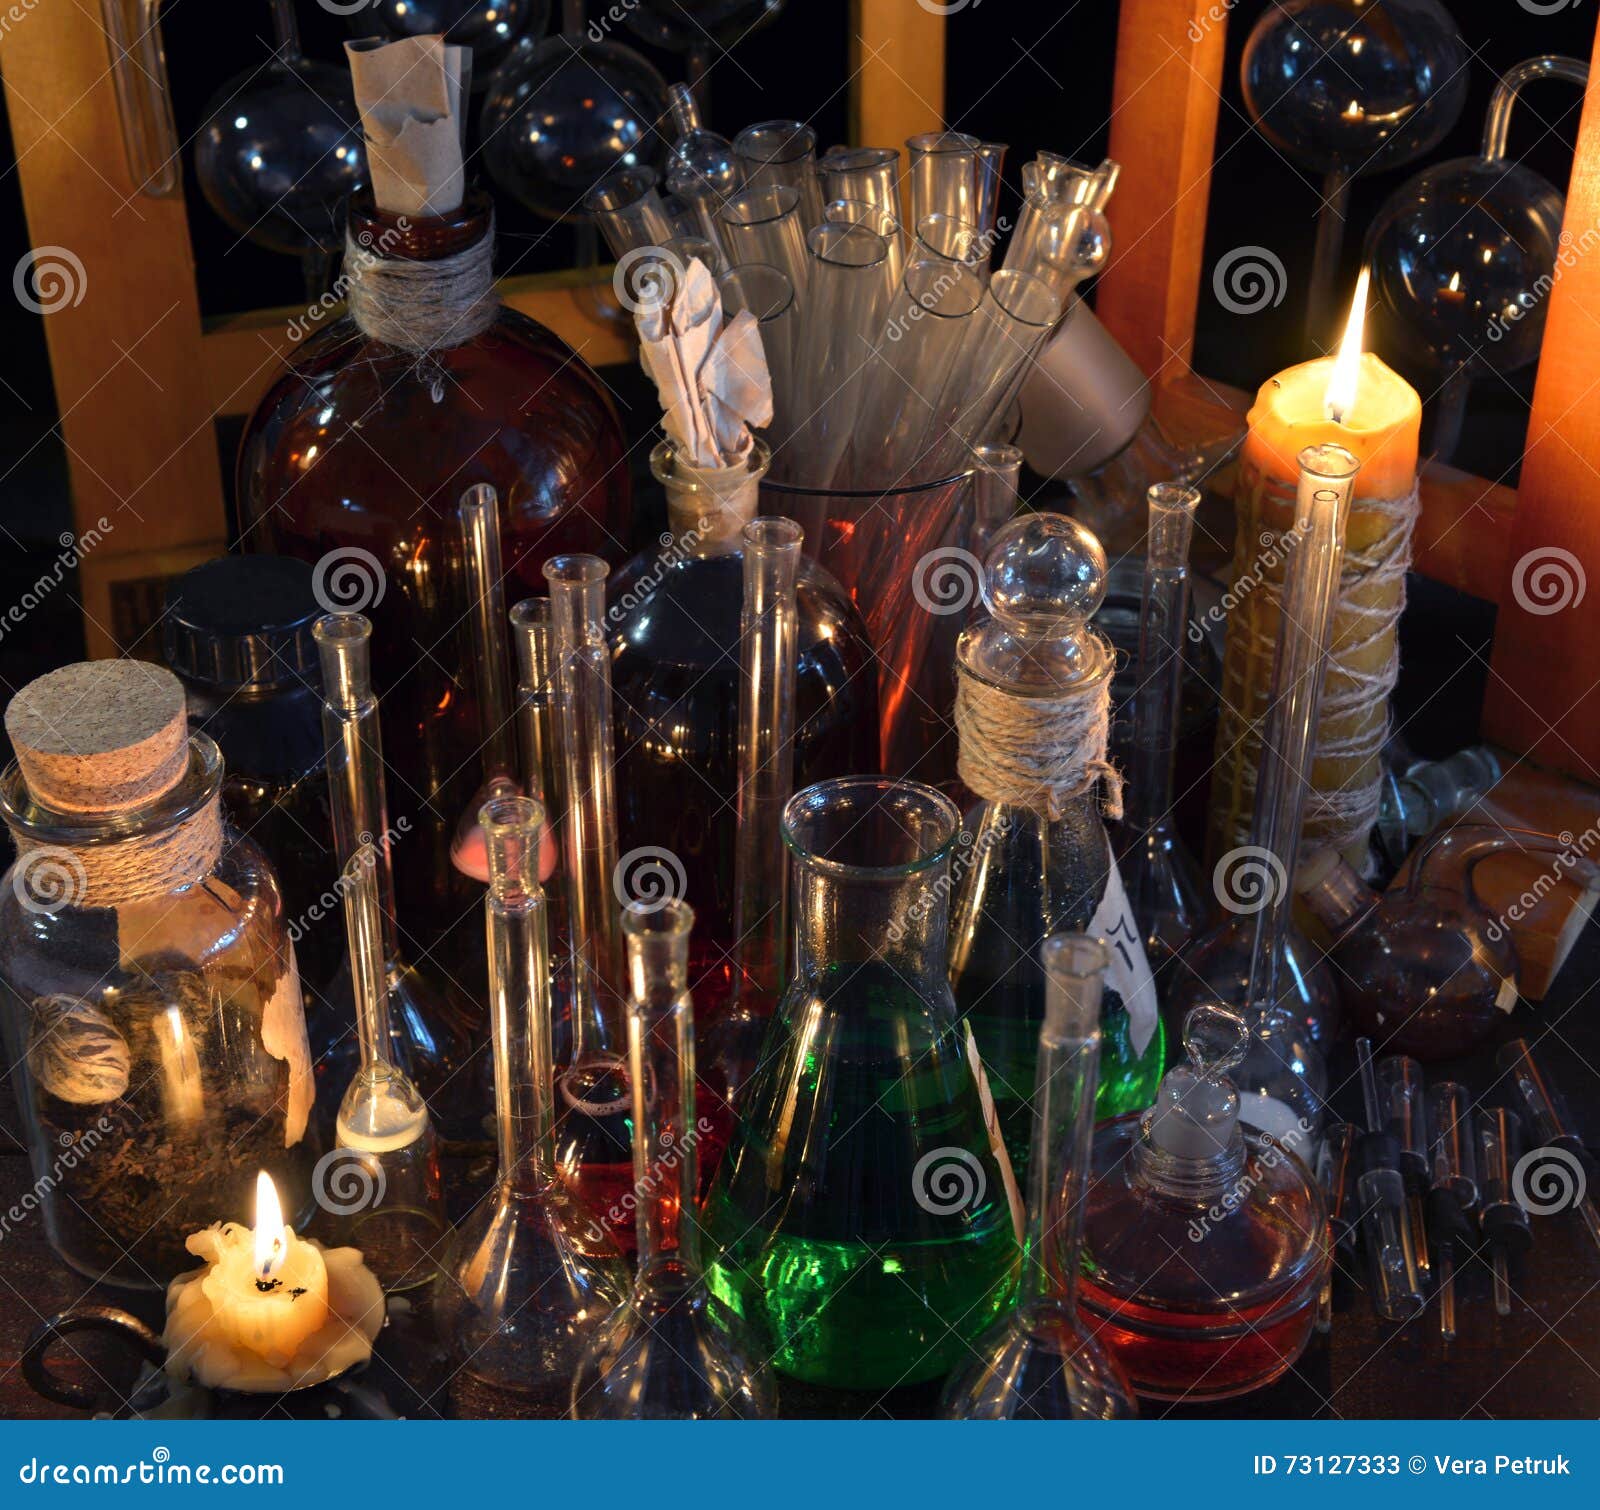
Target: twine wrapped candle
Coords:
[(1353, 400)]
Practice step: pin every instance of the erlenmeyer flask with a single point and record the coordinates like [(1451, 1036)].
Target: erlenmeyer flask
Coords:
[(673, 1351), (861, 1221), (531, 1273), (429, 1039), (384, 1185), (594, 1144), (1042, 1363)]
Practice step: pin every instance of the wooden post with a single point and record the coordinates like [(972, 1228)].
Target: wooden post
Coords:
[(896, 71), (125, 340), (1166, 91), (1544, 683)]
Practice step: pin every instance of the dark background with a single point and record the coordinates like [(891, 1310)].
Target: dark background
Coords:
[(1029, 74)]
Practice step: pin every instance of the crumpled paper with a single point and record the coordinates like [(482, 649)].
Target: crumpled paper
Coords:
[(411, 97), (710, 376)]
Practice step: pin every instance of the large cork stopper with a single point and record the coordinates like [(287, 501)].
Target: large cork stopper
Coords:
[(100, 736)]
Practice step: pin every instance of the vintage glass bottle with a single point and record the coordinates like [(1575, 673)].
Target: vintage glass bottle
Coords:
[(861, 1221), (530, 1273), (1026, 871), (1042, 1363), (673, 1351), (355, 459), (149, 996), (675, 674), (1205, 1241)]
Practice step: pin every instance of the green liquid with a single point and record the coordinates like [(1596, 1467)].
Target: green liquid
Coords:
[(833, 1235)]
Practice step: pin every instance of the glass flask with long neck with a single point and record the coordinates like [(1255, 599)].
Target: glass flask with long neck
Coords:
[(539, 760), (702, 170), (1157, 868), (1042, 1363), (861, 1220), (1255, 958), (1425, 968), (676, 675), (768, 630), (673, 1351), (429, 1037), (1205, 1241), (1039, 860), (530, 1273), (384, 1188), (594, 1144)]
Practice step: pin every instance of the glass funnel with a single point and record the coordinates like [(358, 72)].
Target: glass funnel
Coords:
[(1032, 709), (861, 1222), (429, 1040), (1042, 1362), (383, 1186), (594, 1152), (1163, 885), (673, 1351), (530, 1273)]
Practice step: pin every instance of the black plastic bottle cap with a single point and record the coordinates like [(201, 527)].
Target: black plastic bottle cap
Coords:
[(243, 621)]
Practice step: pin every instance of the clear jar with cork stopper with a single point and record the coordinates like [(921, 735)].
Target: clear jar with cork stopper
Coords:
[(148, 987)]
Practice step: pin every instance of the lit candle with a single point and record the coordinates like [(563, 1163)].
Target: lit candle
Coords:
[(270, 1310), (1354, 400)]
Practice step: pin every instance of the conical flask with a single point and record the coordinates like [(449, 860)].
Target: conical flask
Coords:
[(861, 1220), (1042, 1363), (429, 1038), (530, 1272), (673, 1351), (382, 1183)]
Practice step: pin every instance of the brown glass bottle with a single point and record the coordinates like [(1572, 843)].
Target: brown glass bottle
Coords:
[(356, 458)]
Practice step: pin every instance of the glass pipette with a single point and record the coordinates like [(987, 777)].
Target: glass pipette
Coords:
[(1552, 1125), (1502, 1221), (1396, 1291), (1453, 1189)]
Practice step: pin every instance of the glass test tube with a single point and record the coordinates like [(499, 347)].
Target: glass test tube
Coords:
[(999, 472), (1402, 1092), (768, 294), (628, 210), (1502, 1221), (874, 218), (867, 175), (763, 223), (1453, 1188), (944, 175), (783, 152)]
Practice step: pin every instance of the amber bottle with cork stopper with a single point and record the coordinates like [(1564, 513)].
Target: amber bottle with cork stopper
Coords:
[(151, 998), (358, 453)]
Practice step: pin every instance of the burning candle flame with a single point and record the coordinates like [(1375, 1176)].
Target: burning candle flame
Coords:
[(1340, 397), (269, 1233)]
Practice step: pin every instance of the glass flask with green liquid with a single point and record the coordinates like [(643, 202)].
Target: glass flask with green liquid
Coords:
[(861, 1220), (1033, 691)]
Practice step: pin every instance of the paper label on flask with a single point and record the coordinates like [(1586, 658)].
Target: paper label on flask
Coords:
[(1128, 973)]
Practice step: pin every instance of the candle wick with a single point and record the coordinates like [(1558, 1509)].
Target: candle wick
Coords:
[(267, 1286)]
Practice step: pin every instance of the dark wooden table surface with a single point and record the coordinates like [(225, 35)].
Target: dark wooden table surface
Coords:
[(1541, 1361)]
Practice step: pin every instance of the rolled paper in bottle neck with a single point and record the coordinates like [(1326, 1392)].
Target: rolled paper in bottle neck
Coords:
[(108, 737), (710, 506), (411, 95)]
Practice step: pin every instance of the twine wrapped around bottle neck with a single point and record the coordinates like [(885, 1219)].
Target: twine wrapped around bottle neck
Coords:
[(1038, 752), (422, 306), (124, 871)]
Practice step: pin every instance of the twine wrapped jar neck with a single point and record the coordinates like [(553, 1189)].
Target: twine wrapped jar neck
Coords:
[(110, 800), (708, 507), (1033, 683), (421, 283)]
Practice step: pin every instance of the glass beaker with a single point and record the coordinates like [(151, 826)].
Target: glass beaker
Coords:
[(674, 1351), (531, 1272), (1042, 1362), (861, 1222)]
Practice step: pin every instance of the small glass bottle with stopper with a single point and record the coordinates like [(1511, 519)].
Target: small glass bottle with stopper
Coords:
[(673, 1351), (385, 1188), (1042, 1362), (1032, 711), (530, 1273), (1247, 1219), (429, 1039)]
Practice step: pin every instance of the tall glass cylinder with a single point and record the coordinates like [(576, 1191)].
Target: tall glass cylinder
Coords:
[(782, 152), (861, 1220), (877, 219), (1163, 887), (763, 223), (594, 1153), (768, 294)]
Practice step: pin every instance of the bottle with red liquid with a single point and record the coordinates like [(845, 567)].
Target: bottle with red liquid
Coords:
[(355, 460), (675, 631), (1206, 1241)]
